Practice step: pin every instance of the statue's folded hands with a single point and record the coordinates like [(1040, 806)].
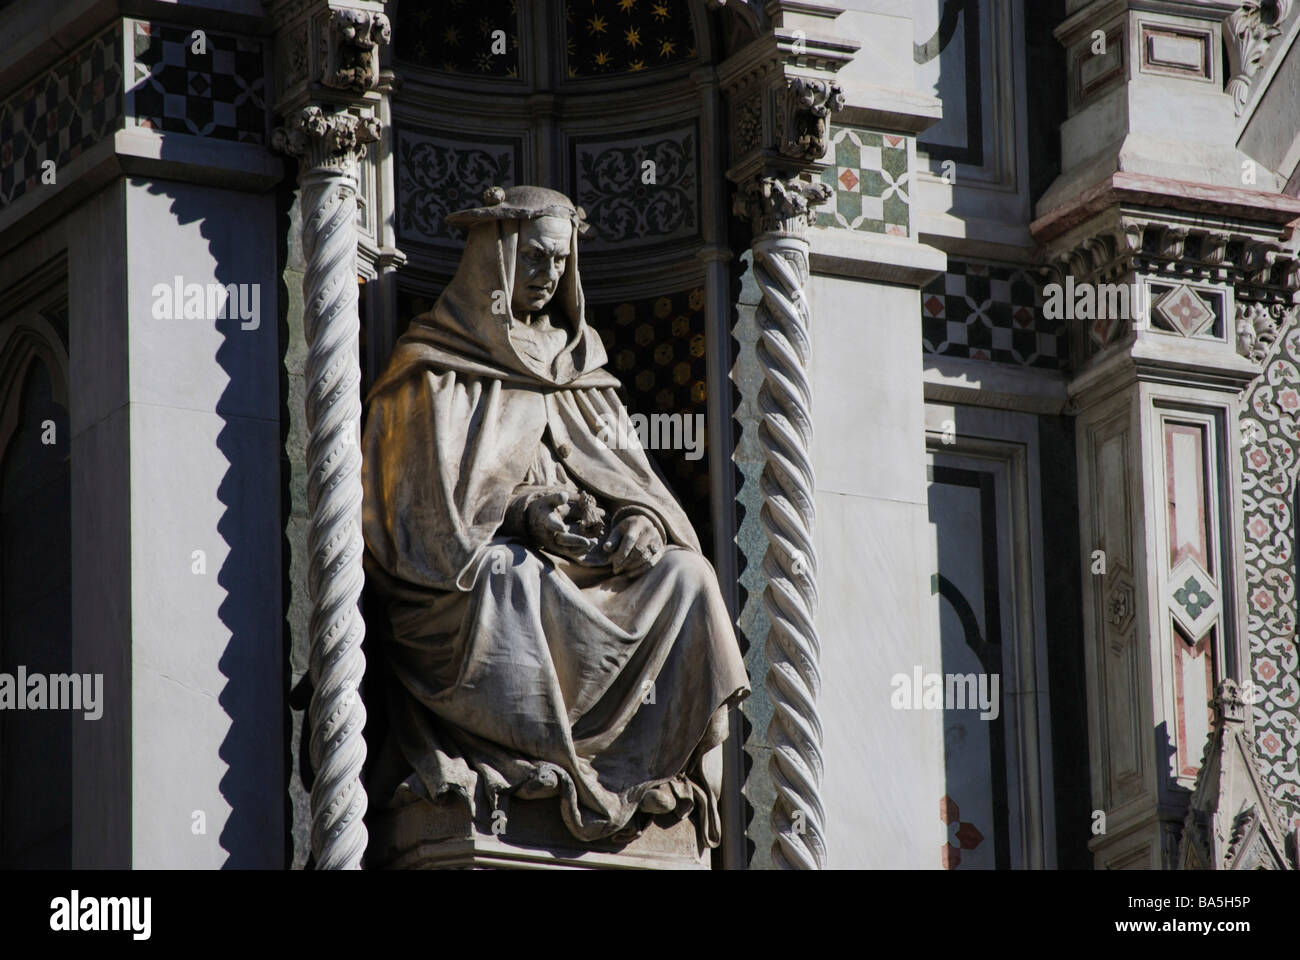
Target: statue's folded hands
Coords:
[(554, 521)]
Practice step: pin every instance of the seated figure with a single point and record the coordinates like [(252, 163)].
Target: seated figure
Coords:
[(553, 627)]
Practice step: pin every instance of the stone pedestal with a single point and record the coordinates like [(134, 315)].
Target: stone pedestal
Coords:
[(529, 835)]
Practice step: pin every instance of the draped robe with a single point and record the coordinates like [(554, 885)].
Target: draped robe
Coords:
[(521, 670)]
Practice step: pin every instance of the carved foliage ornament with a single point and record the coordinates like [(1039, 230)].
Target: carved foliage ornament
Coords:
[(326, 140), (1248, 31), (352, 52), (782, 206)]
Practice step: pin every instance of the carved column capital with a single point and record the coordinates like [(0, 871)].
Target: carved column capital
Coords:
[(334, 141), (781, 206)]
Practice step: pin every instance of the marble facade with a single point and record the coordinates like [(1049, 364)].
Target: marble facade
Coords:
[(854, 216)]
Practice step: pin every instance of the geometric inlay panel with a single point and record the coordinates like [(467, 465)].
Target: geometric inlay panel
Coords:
[(1195, 599), (1270, 428), (1183, 311), (219, 93), (60, 114), (982, 311), (868, 174)]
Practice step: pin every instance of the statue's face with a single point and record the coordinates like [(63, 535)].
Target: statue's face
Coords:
[(539, 264)]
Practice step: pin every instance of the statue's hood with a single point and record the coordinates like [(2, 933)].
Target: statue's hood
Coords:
[(463, 333)]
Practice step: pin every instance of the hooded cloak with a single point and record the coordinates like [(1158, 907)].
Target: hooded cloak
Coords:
[(520, 670)]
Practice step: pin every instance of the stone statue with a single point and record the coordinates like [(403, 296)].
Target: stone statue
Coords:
[(555, 630)]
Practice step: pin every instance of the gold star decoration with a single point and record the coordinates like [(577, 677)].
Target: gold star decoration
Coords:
[(626, 5), (633, 36), (667, 48), (636, 65), (451, 36), (660, 11), (597, 24), (602, 59)]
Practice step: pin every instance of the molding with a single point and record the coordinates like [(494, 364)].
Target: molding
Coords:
[(1167, 360), (876, 257), (1261, 263), (979, 383), (891, 109), (1164, 193), (242, 166), (1088, 18)]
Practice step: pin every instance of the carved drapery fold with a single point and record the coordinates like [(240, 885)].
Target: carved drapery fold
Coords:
[(328, 146)]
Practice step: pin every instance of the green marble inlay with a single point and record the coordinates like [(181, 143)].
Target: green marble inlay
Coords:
[(869, 175), (1193, 598)]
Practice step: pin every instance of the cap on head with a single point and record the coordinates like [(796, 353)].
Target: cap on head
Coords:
[(520, 203)]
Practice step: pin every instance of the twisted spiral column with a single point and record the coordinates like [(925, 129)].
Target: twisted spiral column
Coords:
[(782, 211), (330, 145)]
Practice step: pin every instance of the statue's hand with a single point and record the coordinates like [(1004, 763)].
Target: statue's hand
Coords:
[(634, 546), (551, 519)]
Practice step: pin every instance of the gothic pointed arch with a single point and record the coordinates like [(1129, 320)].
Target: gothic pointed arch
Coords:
[(36, 746)]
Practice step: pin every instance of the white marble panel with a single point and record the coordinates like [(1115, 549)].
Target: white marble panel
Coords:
[(884, 767)]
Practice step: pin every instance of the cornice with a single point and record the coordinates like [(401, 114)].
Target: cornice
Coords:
[(1162, 193)]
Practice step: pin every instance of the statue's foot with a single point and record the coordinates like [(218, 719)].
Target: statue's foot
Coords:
[(660, 799), (544, 783)]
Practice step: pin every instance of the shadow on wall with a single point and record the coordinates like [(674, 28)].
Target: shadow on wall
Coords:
[(254, 832)]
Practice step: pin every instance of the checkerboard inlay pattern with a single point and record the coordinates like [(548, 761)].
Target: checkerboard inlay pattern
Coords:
[(985, 312), (60, 114), (869, 174), (219, 93)]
